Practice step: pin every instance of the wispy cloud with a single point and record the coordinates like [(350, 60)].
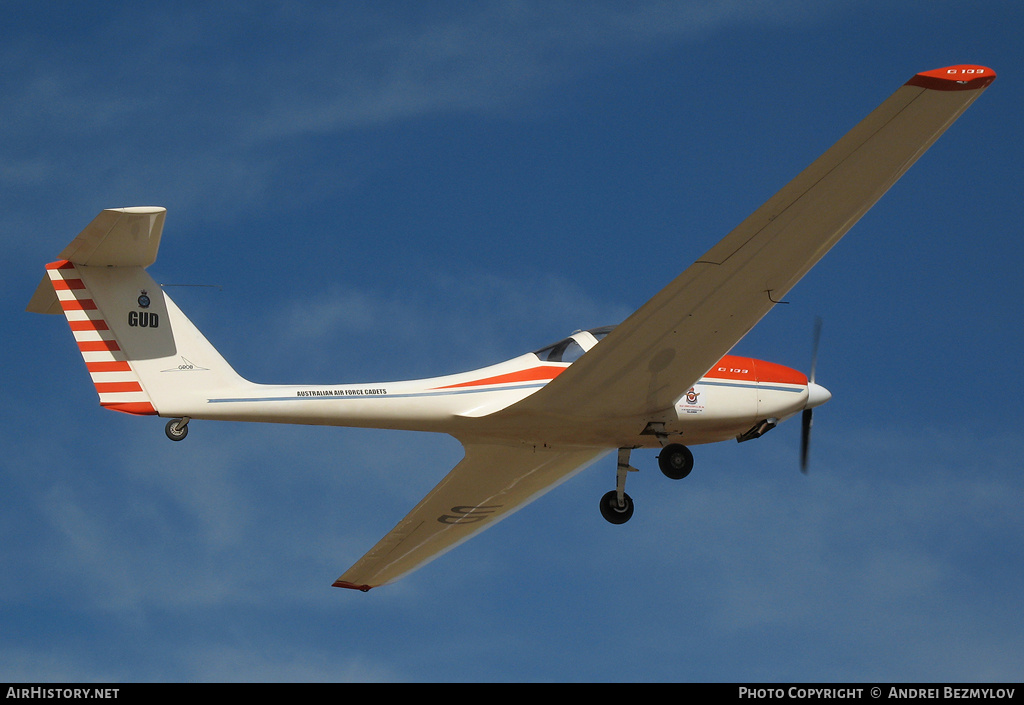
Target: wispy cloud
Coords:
[(484, 57), (128, 105), (449, 323)]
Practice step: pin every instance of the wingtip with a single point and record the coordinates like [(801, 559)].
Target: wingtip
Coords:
[(351, 586), (964, 77), (140, 210)]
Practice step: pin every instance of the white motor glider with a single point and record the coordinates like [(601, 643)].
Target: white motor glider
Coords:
[(662, 378)]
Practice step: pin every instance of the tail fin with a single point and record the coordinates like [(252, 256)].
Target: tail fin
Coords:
[(144, 355)]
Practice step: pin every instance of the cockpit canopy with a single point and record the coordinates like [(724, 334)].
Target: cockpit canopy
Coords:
[(572, 348)]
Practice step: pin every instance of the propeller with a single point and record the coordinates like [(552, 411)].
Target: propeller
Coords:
[(816, 395)]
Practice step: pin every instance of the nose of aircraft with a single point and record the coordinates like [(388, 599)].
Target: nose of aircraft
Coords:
[(816, 395)]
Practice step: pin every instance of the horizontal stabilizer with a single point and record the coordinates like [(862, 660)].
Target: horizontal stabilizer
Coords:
[(117, 237)]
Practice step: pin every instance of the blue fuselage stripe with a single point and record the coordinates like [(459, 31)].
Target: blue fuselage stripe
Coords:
[(452, 392)]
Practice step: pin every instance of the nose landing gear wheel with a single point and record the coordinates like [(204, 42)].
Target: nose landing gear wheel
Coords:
[(675, 461), (612, 511)]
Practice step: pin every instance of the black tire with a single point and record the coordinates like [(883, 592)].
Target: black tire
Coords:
[(611, 510), (176, 430), (675, 461)]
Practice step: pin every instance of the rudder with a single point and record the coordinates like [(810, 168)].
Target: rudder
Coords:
[(118, 385)]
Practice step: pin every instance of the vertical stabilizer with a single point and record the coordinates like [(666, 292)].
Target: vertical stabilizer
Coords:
[(143, 354)]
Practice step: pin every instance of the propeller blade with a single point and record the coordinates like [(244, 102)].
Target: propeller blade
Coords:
[(806, 419), (814, 349), (805, 438)]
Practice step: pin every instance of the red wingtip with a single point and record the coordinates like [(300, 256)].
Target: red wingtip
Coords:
[(351, 586), (965, 77)]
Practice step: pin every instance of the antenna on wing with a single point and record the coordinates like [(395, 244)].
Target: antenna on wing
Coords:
[(218, 287)]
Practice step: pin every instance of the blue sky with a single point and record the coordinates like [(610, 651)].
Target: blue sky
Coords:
[(395, 190)]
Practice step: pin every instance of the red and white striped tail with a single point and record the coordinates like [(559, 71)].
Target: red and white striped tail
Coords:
[(117, 384)]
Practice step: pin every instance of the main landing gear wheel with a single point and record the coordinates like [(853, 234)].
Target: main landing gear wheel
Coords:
[(675, 461), (176, 429), (613, 511)]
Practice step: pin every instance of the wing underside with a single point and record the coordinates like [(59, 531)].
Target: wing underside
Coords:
[(646, 363)]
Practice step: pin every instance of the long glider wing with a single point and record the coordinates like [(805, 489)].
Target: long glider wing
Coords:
[(649, 361), (490, 483)]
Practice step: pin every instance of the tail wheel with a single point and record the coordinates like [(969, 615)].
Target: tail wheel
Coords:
[(675, 461), (176, 429), (612, 511)]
